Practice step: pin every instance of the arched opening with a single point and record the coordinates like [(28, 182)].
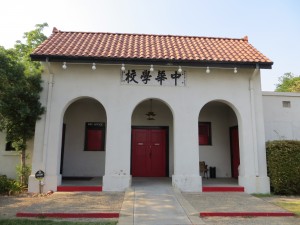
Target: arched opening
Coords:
[(83, 141), (219, 140), (152, 152)]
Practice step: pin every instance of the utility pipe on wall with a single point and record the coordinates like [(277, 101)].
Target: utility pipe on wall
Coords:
[(48, 112), (253, 119)]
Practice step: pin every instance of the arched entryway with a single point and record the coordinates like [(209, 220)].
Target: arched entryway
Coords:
[(83, 141), (219, 139), (152, 152)]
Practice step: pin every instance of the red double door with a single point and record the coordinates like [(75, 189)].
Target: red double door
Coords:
[(149, 152)]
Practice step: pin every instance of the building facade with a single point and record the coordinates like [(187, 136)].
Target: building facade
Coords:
[(124, 105)]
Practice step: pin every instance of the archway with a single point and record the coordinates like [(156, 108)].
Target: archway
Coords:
[(83, 141), (218, 139), (152, 152)]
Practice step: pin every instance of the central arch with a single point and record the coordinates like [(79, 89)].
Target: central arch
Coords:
[(152, 153)]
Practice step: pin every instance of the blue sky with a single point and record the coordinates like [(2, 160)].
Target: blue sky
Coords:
[(272, 26)]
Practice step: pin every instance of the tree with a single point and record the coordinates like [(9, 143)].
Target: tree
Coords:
[(20, 87), (23, 50), (288, 83)]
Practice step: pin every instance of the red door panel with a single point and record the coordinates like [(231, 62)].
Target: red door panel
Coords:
[(139, 153), (235, 151), (157, 153), (149, 152)]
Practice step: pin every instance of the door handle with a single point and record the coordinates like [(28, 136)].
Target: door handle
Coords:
[(150, 154)]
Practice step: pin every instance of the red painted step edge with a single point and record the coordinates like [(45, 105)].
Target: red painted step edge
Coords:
[(254, 214), (223, 189), (70, 215), (78, 188)]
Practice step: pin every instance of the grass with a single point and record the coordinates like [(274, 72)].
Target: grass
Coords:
[(50, 222), (290, 205), (262, 195)]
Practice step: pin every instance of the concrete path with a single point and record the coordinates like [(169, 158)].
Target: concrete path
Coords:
[(156, 202)]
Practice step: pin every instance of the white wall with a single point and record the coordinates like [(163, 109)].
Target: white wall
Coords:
[(120, 100), (281, 123), (10, 159)]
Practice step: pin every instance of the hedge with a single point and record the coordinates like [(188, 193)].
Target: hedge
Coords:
[(283, 161)]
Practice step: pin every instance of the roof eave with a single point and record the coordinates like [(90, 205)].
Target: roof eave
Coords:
[(139, 61)]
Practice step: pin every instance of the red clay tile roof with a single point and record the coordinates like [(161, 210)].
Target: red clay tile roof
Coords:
[(160, 49)]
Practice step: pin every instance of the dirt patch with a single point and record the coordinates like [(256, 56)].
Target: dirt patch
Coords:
[(10, 205), (58, 202)]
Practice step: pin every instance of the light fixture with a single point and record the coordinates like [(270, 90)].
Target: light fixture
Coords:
[(123, 67), (207, 70), (151, 68), (150, 115), (179, 70), (94, 66), (64, 66), (235, 70)]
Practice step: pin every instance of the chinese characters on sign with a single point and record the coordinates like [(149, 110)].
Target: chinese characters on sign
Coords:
[(155, 78)]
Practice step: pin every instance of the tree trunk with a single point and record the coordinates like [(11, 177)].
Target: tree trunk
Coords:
[(23, 163)]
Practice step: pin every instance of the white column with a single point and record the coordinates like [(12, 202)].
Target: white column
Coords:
[(37, 155), (117, 160), (41, 142), (246, 169), (186, 152), (262, 179), (252, 173)]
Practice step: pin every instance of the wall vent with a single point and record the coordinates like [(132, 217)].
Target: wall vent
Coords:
[(286, 104)]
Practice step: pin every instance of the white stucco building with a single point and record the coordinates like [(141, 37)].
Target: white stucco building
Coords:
[(203, 95)]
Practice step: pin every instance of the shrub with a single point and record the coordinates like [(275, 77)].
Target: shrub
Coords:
[(23, 172), (9, 186), (283, 160)]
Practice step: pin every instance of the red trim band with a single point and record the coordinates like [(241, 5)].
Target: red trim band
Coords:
[(254, 214), (70, 215)]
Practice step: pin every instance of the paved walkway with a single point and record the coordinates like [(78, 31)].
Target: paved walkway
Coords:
[(156, 202)]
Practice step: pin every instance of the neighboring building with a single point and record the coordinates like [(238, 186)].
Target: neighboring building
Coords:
[(281, 115), (125, 105)]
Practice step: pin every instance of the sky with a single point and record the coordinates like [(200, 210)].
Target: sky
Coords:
[(272, 26)]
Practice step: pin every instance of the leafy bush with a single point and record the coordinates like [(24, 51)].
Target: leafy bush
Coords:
[(9, 186), (283, 160), (23, 172)]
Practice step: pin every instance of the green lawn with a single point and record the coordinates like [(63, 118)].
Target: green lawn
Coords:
[(291, 205), (49, 222)]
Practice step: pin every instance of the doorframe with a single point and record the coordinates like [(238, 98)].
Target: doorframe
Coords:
[(231, 147), (167, 144), (62, 152)]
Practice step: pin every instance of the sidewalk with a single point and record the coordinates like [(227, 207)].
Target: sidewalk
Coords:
[(156, 204)]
